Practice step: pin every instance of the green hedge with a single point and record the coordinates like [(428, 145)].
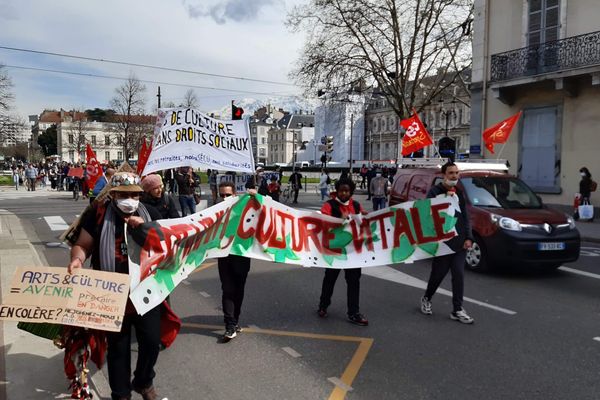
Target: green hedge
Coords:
[(6, 180)]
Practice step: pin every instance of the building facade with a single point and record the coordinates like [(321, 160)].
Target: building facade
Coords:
[(541, 57), (287, 137), (75, 131)]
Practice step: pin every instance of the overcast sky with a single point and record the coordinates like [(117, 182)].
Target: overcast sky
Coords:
[(245, 38)]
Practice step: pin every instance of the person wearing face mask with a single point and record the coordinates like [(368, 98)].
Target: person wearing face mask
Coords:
[(459, 244), (233, 271), (340, 207), (102, 237), (379, 190)]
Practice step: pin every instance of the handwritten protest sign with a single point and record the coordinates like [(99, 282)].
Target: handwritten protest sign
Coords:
[(187, 137), (88, 298), (258, 227)]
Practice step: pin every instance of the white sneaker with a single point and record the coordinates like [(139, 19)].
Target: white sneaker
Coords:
[(461, 316), (426, 306)]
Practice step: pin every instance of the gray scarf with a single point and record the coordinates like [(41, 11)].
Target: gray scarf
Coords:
[(107, 237)]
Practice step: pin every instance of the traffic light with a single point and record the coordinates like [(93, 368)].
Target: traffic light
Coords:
[(329, 144), (236, 112)]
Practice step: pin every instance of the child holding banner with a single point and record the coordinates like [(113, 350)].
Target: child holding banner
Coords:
[(340, 207)]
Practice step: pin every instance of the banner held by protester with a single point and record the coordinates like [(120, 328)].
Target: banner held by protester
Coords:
[(258, 227), (187, 137)]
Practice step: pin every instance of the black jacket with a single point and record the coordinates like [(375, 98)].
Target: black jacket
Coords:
[(165, 205), (585, 187), (463, 224)]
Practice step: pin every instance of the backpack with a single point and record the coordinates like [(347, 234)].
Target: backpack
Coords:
[(263, 189), (593, 186), (335, 208)]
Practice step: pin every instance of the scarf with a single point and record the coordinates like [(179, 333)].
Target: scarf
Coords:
[(107, 237)]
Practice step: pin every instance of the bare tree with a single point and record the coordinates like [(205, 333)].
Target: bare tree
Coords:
[(410, 50), (132, 124), (190, 100), (10, 123)]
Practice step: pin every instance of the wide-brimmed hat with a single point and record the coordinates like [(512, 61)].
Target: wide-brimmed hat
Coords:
[(125, 182)]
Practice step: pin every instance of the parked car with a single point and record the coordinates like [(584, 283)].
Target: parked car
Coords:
[(511, 225)]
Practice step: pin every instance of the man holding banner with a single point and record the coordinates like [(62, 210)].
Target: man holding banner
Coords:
[(459, 244), (103, 237)]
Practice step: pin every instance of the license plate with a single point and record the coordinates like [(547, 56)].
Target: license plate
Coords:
[(551, 246)]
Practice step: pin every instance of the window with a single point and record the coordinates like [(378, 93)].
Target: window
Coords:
[(107, 155), (263, 140), (107, 140), (119, 155), (71, 155), (120, 142), (71, 140), (544, 21), (94, 140), (262, 152)]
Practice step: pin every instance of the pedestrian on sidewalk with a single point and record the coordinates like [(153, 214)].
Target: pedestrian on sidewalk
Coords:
[(324, 182), (16, 177), (296, 182), (31, 174), (455, 263), (185, 183), (370, 176), (340, 207), (586, 187), (103, 237), (363, 176), (233, 271), (379, 189)]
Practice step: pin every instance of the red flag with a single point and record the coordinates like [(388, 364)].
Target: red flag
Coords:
[(93, 168), (500, 132), (416, 136), (143, 156)]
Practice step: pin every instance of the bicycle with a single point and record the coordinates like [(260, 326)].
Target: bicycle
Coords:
[(286, 194), (76, 189)]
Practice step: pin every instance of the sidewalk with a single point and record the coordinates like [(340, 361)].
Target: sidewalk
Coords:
[(31, 368)]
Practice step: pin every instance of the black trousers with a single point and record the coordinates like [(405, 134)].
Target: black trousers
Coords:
[(233, 271), (352, 276), (296, 190), (439, 269), (147, 332)]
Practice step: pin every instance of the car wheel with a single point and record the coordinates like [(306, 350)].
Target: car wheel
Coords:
[(476, 259)]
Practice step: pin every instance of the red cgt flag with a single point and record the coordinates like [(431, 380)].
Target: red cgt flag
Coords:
[(500, 132), (416, 136), (143, 156), (93, 168)]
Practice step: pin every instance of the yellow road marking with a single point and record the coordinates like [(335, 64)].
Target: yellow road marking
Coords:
[(351, 371)]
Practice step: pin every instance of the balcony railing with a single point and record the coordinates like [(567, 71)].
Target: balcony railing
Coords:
[(558, 55)]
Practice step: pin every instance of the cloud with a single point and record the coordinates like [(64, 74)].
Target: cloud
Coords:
[(235, 10), (9, 12)]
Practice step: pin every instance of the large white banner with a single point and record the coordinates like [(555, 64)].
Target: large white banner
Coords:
[(188, 137)]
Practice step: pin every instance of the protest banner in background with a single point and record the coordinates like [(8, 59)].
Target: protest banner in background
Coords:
[(258, 227), (187, 137), (238, 180), (88, 298)]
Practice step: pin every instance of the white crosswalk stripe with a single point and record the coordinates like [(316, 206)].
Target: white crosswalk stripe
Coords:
[(24, 194), (56, 223)]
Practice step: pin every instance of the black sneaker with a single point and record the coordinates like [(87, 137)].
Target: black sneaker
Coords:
[(358, 319), (322, 312), (230, 333)]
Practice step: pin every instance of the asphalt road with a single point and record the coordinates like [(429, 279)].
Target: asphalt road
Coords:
[(536, 336)]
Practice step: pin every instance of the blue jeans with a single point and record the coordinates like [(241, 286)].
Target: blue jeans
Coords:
[(187, 200), (378, 203), (323, 193)]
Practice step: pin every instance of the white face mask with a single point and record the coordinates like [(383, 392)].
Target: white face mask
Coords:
[(128, 206), (582, 174), (450, 183), (378, 175)]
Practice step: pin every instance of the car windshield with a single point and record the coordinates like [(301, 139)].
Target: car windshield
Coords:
[(498, 192)]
